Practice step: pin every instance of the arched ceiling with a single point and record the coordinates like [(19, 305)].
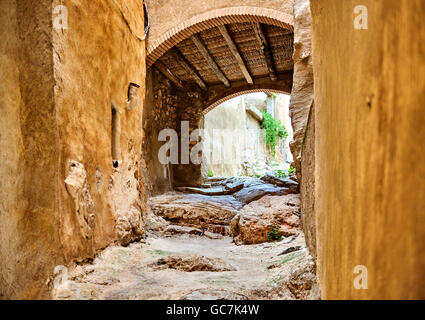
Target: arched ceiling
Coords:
[(228, 54)]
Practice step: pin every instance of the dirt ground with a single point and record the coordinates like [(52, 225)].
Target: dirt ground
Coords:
[(277, 270)]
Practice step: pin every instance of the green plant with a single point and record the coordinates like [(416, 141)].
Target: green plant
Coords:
[(274, 234), (291, 170), (280, 174), (210, 174), (275, 131)]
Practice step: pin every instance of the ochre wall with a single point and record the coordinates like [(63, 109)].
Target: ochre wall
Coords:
[(370, 168), (96, 58), (29, 238), (55, 99)]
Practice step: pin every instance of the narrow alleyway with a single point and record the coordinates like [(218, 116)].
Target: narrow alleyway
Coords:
[(201, 246), (138, 271)]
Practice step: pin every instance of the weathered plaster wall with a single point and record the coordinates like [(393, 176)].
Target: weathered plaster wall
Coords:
[(228, 117), (11, 140), (29, 238), (96, 58), (370, 186), (233, 137), (61, 199)]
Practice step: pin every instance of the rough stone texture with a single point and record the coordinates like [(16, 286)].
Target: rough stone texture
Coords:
[(254, 192), (213, 213), (124, 273), (56, 94), (281, 182), (160, 112), (302, 117), (78, 188), (172, 230), (29, 238), (227, 189), (370, 186), (166, 107), (302, 87), (191, 263), (252, 225), (295, 276), (308, 218), (89, 79)]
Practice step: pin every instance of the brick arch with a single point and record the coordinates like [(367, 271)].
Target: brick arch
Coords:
[(212, 19), (223, 99)]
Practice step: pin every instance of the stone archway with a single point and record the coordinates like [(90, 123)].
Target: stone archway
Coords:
[(217, 99), (215, 18), (208, 58)]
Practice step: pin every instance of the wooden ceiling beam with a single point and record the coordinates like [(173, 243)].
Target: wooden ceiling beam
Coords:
[(178, 56), (210, 60), (167, 73), (266, 49), (234, 49)]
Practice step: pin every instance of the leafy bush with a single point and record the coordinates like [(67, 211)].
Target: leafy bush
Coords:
[(275, 131), (210, 174), (291, 170), (280, 174), (274, 234)]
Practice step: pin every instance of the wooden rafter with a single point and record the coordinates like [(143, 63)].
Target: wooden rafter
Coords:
[(234, 49), (167, 73), (266, 50), (178, 56), (210, 60)]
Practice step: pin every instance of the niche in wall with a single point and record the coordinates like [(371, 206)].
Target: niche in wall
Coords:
[(116, 135)]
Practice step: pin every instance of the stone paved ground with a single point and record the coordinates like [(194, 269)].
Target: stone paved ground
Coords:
[(261, 271)]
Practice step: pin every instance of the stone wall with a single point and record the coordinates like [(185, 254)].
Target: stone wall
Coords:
[(160, 112), (65, 200), (307, 186), (166, 107), (302, 118), (369, 110)]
